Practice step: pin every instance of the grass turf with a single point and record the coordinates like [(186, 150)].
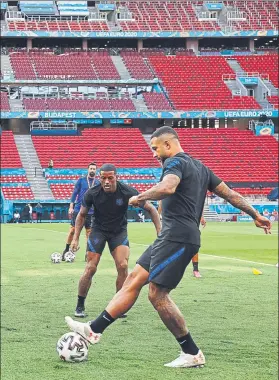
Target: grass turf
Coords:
[(232, 314)]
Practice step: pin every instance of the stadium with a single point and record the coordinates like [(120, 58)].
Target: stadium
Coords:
[(89, 82)]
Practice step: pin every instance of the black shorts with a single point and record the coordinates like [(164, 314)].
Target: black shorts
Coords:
[(166, 261), (87, 223), (98, 239)]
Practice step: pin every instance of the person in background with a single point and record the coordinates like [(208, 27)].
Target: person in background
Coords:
[(141, 216), (25, 214), (266, 213), (40, 119), (39, 210), (30, 213), (82, 185), (16, 216), (182, 189), (50, 163)]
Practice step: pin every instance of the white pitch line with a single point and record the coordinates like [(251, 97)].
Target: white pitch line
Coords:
[(41, 229), (223, 257), (147, 245), (235, 259)]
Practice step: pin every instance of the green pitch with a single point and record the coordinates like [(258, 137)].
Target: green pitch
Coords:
[(232, 314)]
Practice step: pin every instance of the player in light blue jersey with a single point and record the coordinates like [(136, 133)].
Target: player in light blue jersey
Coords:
[(82, 185)]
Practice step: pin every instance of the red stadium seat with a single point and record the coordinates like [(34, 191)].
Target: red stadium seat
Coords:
[(4, 102), (196, 83), (120, 146), (136, 65), (79, 105), (156, 102), (18, 193), (9, 153), (262, 64), (235, 156)]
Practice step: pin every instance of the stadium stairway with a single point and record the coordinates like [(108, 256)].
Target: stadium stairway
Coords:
[(235, 66), (30, 162), (233, 86), (239, 70), (147, 138), (120, 67), (16, 105), (6, 67), (209, 215), (140, 105), (271, 87)]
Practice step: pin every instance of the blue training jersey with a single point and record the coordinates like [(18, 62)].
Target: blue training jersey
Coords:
[(82, 185)]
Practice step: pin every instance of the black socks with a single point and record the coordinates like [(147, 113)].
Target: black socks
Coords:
[(102, 322), (81, 302), (188, 346), (196, 267)]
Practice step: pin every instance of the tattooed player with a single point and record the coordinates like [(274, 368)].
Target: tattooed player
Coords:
[(183, 187)]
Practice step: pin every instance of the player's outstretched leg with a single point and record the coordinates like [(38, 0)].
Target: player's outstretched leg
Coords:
[(191, 355), (85, 282), (195, 261), (68, 242), (119, 305)]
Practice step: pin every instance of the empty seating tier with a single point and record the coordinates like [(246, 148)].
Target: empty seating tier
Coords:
[(19, 192), (123, 147), (156, 102), (13, 179), (22, 66), (196, 83), (62, 190), (235, 156), (164, 16), (136, 65), (260, 14), (155, 16), (78, 105), (4, 102), (9, 153), (262, 64), (248, 191), (81, 65), (59, 26)]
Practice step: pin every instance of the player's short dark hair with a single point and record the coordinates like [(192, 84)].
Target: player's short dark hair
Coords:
[(108, 168), (92, 164), (163, 131)]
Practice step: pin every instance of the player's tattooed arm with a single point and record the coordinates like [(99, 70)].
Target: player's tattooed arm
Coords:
[(238, 201), (235, 199), (162, 190)]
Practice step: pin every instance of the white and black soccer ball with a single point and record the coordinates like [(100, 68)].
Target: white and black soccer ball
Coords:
[(72, 348), (69, 257), (56, 258)]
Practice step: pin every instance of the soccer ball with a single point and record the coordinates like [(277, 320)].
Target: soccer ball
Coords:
[(56, 258), (69, 257), (72, 348)]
